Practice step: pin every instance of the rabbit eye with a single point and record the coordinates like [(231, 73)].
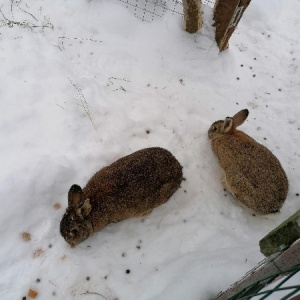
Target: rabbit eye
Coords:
[(214, 128), (73, 232)]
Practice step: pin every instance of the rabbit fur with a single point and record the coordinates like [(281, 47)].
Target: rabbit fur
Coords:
[(252, 173), (130, 187)]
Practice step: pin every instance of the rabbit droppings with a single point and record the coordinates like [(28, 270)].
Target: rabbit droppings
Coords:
[(252, 173), (130, 187)]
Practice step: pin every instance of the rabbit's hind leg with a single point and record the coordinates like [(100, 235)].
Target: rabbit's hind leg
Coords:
[(145, 213), (227, 186), (224, 183)]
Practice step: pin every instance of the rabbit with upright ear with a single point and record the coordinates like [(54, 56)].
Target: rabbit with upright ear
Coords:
[(130, 187), (252, 173)]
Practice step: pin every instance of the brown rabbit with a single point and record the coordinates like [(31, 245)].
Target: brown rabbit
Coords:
[(252, 173), (130, 187)]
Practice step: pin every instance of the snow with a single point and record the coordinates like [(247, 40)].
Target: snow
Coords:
[(77, 97)]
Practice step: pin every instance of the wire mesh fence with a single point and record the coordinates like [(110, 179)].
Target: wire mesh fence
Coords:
[(278, 285), (150, 10), (277, 277)]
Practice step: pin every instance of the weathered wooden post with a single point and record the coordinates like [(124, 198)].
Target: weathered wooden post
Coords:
[(227, 15), (282, 236), (192, 15)]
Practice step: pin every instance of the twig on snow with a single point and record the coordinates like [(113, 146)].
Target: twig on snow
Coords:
[(84, 104), (24, 24), (93, 293), (61, 40), (28, 13)]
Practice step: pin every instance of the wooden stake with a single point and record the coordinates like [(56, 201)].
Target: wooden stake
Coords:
[(227, 15), (192, 15)]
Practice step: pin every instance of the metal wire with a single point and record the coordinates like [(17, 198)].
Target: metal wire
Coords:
[(255, 289), (150, 10)]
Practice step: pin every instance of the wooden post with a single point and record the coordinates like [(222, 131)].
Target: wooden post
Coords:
[(227, 15), (192, 15), (282, 236)]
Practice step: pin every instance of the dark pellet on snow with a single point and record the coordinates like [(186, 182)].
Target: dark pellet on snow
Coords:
[(147, 131), (238, 78), (242, 65), (38, 280), (54, 294), (123, 254), (88, 278), (127, 271), (254, 215), (297, 194), (50, 246), (253, 75), (24, 298), (138, 247)]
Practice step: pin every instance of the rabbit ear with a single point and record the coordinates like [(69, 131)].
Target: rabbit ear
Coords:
[(227, 125), (84, 209), (240, 117), (74, 196)]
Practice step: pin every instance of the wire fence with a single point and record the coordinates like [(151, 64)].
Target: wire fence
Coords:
[(274, 285), (151, 10), (276, 277)]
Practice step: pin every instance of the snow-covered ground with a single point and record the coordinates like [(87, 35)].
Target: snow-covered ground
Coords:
[(102, 84)]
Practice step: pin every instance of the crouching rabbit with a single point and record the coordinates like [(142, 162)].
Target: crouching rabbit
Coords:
[(130, 187), (252, 173)]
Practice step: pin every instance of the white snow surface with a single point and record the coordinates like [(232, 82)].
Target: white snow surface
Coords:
[(78, 96)]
